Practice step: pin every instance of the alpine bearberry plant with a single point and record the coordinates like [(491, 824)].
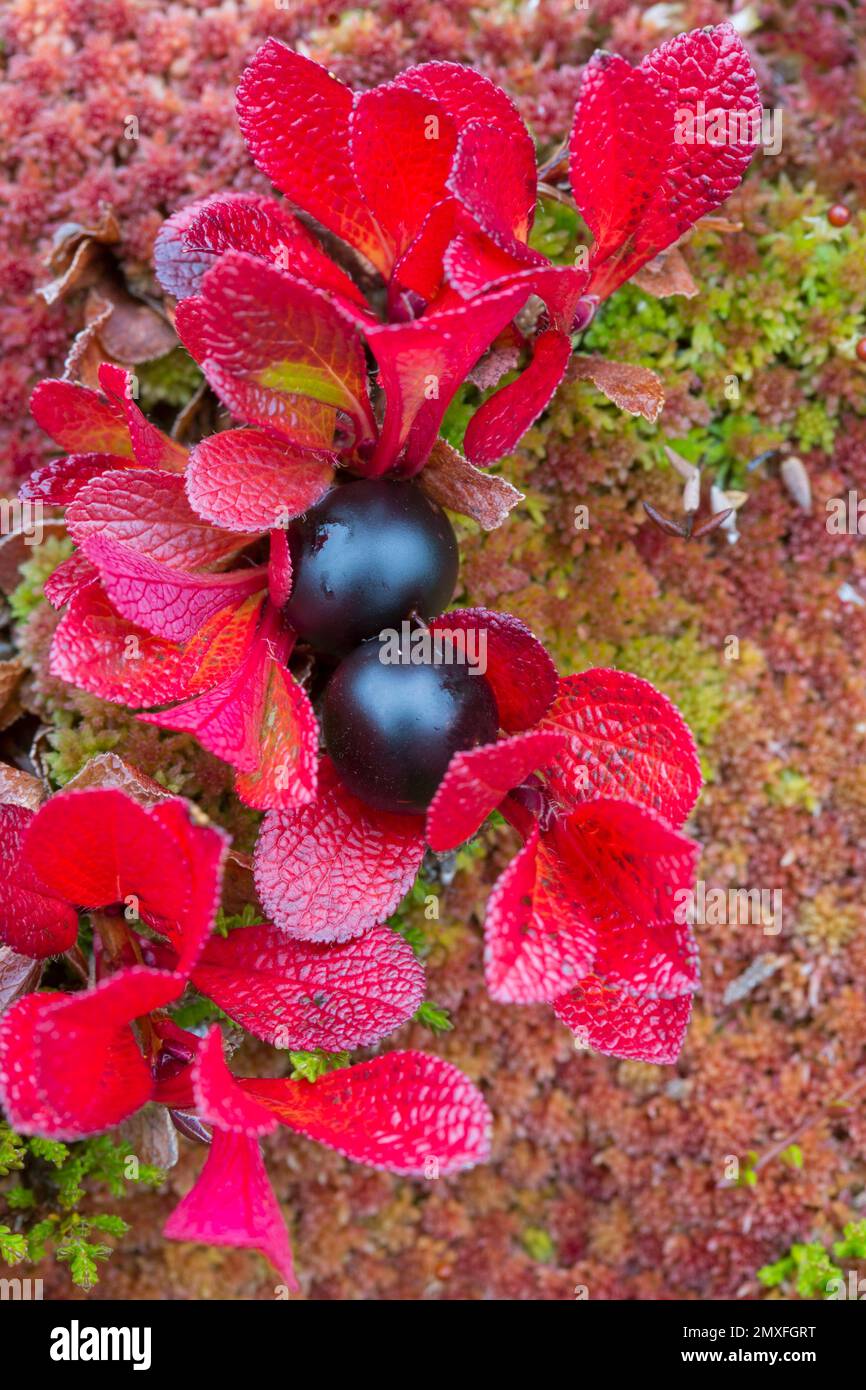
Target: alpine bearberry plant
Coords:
[(234, 591)]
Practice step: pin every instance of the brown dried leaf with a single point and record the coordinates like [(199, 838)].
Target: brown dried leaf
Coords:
[(634, 389), (18, 788), (108, 771), (667, 274), (18, 975), (132, 332), (86, 354), (455, 483), (76, 255), (151, 1136), (11, 673)]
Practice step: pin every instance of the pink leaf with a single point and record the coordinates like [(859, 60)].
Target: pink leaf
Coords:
[(246, 480), (295, 120), (406, 1112), (625, 739), (333, 869), (305, 995), (150, 512), (642, 1030), (477, 781), (233, 1204), (519, 670), (59, 482), (97, 650), (167, 602)]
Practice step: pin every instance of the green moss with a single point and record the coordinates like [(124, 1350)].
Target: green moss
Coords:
[(57, 1178), (44, 560), (169, 380), (538, 1245), (793, 300)]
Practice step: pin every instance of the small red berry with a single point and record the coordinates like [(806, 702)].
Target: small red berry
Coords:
[(839, 215), (860, 349)]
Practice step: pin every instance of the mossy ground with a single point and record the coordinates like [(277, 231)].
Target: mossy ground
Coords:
[(607, 1175)]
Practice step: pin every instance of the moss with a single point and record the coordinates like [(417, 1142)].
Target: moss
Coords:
[(170, 380), (44, 560)]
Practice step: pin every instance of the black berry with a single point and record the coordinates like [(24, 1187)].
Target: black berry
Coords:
[(391, 730), (364, 558)]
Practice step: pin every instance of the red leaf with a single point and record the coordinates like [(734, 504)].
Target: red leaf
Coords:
[(421, 365), (538, 939), (332, 870), (260, 326), (150, 512), (233, 1204), (406, 1112), (97, 650), (652, 962), (227, 718), (626, 739), (70, 1065), (642, 1030), (402, 144), (78, 419), (622, 863), (191, 241), (33, 921), (199, 858), (216, 651), (168, 602), (304, 995), (620, 145), (664, 179), (279, 569), (295, 120), (477, 780), (520, 671), (287, 769), (466, 95), (495, 179), (100, 848), (151, 447), (501, 422), (71, 577), (421, 266), (219, 1100), (246, 480), (59, 482)]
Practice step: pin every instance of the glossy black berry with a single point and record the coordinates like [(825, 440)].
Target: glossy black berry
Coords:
[(364, 558), (391, 730)]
